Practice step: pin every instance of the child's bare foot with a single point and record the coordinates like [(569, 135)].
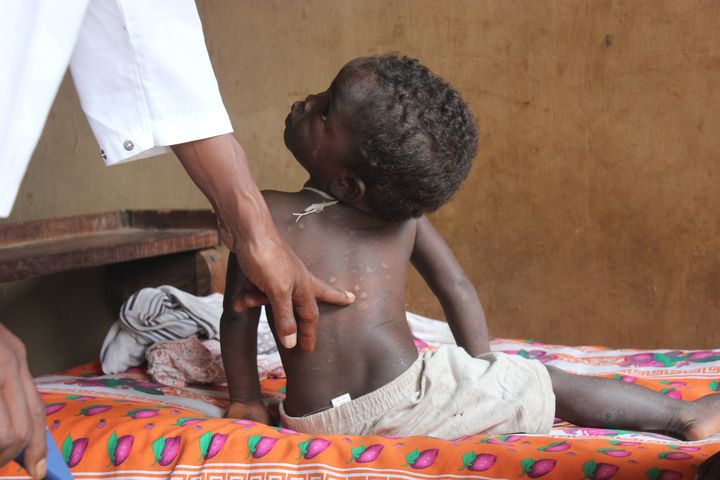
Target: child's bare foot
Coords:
[(701, 418)]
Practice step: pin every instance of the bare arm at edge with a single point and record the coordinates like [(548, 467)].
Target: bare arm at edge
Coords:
[(434, 260)]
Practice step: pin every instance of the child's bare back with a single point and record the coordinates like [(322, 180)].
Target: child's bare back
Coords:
[(364, 346)]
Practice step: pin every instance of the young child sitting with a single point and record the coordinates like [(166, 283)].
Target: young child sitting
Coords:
[(387, 142)]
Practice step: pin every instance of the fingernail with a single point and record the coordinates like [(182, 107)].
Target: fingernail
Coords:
[(40, 469), (290, 340), (350, 295)]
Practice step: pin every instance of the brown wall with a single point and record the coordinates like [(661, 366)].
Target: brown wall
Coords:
[(592, 213)]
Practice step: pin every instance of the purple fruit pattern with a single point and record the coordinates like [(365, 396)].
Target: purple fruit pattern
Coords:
[(312, 448), (615, 453), (118, 448), (537, 468), (478, 462), (211, 444), (166, 449), (53, 408), (599, 471), (139, 413), (663, 474), (365, 454), (73, 450), (259, 446), (419, 460), (675, 456), (555, 447), (187, 421), (94, 410)]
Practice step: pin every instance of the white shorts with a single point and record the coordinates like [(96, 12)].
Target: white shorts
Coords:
[(446, 394)]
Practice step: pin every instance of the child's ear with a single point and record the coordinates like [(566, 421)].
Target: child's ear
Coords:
[(348, 189)]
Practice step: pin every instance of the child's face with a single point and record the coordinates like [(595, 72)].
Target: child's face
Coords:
[(319, 130)]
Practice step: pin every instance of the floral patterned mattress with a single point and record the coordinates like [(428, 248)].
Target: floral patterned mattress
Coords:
[(125, 426)]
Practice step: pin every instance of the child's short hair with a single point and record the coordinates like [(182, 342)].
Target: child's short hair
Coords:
[(419, 139)]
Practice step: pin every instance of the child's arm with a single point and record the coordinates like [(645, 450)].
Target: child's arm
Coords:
[(238, 340), (433, 259)]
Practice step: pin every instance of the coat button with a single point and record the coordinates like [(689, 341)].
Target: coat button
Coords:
[(128, 145)]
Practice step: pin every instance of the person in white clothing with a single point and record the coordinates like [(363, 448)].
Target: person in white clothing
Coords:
[(146, 84)]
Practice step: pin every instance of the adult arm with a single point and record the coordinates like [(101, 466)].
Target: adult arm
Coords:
[(218, 166), (22, 416), (238, 339), (434, 260)]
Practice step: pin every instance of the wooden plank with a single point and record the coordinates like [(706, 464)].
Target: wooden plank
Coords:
[(38, 230), (99, 240)]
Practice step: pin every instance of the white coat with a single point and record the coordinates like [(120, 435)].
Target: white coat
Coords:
[(140, 67)]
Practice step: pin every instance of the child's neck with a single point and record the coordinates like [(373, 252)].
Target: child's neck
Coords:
[(322, 188)]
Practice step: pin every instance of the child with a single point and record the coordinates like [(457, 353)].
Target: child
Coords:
[(386, 143)]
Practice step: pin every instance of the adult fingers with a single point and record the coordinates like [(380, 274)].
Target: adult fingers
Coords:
[(308, 315), (15, 419), (282, 308), (35, 452), (246, 300), (9, 446), (324, 292)]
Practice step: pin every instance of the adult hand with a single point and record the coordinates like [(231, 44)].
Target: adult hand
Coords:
[(709, 469), (22, 413), (277, 277), (218, 166)]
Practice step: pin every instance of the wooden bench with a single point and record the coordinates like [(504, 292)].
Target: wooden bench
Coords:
[(138, 248)]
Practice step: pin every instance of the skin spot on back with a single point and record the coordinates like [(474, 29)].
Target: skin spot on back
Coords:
[(332, 279), (363, 295), (362, 306), (301, 225), (356, 287), (385, 265)]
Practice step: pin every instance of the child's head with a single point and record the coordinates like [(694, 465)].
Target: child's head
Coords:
[(388, 134)]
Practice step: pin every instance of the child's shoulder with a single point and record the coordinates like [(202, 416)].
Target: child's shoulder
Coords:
[(280, 203)]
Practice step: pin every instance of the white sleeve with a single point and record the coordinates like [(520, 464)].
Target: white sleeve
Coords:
[(36, 41), (144, 77)]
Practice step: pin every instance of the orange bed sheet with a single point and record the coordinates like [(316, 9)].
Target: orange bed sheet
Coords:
[(125, 426)]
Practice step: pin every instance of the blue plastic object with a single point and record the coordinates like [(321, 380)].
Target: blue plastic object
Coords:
[(57, 469)]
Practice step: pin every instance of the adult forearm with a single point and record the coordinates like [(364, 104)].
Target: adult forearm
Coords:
[(219, 167)]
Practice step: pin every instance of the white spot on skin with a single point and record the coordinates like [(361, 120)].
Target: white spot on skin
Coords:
[(385, 265), (356, 287), (301, 226), (362, 306), (363, 295), (332, 280)]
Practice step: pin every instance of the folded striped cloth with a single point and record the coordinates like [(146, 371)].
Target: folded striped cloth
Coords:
[(158, 314)]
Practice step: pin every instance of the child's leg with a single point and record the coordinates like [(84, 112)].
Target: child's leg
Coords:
[(608, 403)]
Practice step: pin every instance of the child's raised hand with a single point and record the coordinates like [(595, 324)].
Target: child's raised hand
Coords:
[(255, 411)]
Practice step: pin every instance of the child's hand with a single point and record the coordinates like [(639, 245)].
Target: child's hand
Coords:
[(255, 411)]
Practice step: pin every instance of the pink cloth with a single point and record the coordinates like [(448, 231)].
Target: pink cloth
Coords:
[(177, 363)]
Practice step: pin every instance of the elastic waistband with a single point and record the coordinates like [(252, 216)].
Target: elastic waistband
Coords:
[(347, 417)]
